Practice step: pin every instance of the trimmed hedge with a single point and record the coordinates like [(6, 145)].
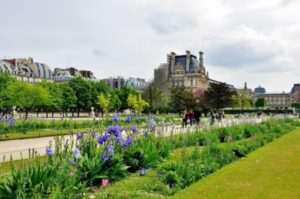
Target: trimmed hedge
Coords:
[(266, 111)]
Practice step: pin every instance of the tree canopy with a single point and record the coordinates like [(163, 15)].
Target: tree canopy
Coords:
[(182, 99), (219, 96), (260, 103), (27, 96)]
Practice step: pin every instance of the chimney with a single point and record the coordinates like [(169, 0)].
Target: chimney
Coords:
[(201, 59), (187, 62), (173, 54)]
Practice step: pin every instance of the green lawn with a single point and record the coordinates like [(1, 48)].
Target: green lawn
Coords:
[(272, 171), (40, 133)]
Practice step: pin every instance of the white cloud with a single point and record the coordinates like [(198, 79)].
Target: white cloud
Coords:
[(254, 41)]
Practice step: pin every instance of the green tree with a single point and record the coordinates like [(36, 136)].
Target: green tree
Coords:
[(242, 101), (115, 102), (96, 88), (104, 102), (260, 103), (82, 90), (182, 99), (137, 103), (153, 95), (219, 96), (69, 98), (296, 105), (56, 97), (27, 96), (5, 81), (123, 94)]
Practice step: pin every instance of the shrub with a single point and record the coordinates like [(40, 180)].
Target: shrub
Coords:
[(171, 179)]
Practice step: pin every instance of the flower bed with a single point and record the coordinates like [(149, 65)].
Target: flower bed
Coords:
[(72, 168)]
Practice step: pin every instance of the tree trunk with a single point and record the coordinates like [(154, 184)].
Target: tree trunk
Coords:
[(78, 113), (26, 114)]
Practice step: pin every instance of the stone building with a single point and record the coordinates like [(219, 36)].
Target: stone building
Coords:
[(279, 101), (120, 82), (183, 71), (115, 82), (61, 75), (26, 69), (295, 94)]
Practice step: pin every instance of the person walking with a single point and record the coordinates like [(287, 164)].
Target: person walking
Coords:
[(212, 117), (197, 117), (184, 118)]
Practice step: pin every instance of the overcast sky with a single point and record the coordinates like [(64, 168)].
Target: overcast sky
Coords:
[(243, 41)]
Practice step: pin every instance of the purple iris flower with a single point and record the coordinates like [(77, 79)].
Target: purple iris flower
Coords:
[(120, 140), (76, 154), (79, 136), (72, 163), (128, 119), (115, 118), (152, 125), (12, 123), (134, 128), (129, 140), (110, 149), (49, 151), (103, 138), (143, 171), (116, 130), (105, 157)]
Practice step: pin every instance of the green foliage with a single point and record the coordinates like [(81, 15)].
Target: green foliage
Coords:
[(260, 103), (146, 153), (266, 111), (26, 96), (55, 95), (39, 180), (155, 97), (242, 101), (69, 98), (104, 102), (219, 96), (196, 165), (98, 87), (137, 103), (55, 177), (77, 94), (123, 95), (115, 102), (82, 90), (182, 99), (5, 81), (171, 179)]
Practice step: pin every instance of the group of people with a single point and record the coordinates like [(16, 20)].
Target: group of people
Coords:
[(191, 117), (216, 115)]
